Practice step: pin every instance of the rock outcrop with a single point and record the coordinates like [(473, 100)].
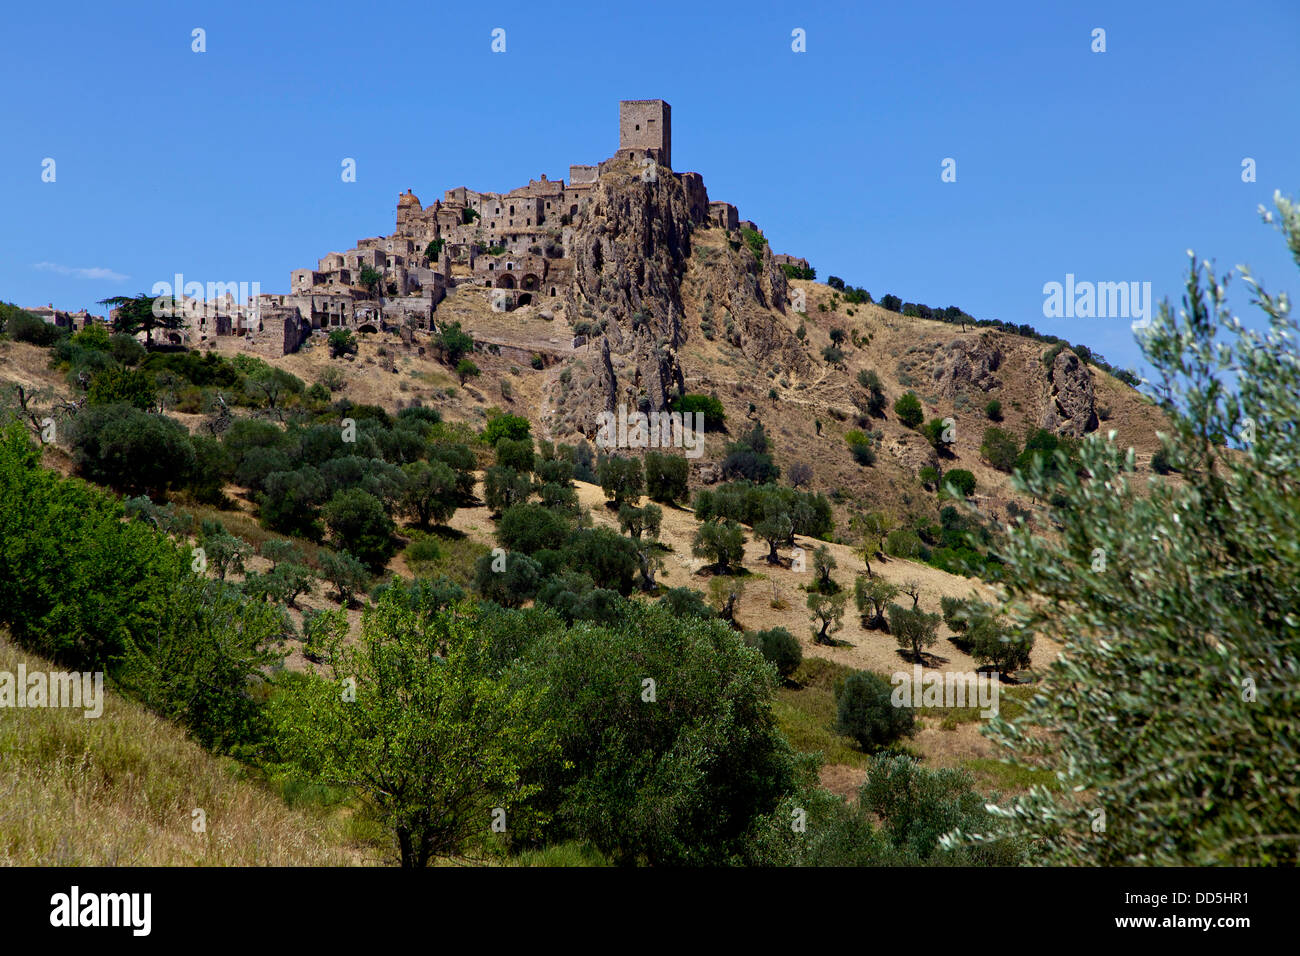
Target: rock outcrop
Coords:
[(1069, 404), (629, 253), (967, 363)]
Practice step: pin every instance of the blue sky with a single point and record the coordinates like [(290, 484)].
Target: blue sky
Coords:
[(225, 165)]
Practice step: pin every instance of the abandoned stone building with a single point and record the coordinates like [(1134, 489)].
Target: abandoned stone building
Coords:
[(516, 244), (73, 321)]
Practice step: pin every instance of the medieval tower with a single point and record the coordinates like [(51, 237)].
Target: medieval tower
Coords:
[(646, 126)]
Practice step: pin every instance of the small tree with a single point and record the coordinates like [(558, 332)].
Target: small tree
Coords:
[(509, 579), (864, 711), (779, 648), (871, 596), (876, 401), (466, 369), (666, 477), (776, 529), (722, 542), (914, 629), (827, 616), (724, 595), (225, 552), (908, 409), (420, 713), (993, 410), (621, 479), (341, 342), (358, 520), (455, 343), (430, 492), (346, 573), (635, 521), (992, 642), (503, 487), (823, 565)]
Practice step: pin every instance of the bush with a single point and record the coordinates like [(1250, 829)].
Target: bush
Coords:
[(962, 480), (130, 450), (708, 405), (779, 647), (529, 528), (455, 343), (860, 447), (865, 712), (953, 613), (508, 579), (605, 556), (1000, 449), (800, 474), (357, 521), (908, 409), (513, 427), (993, 411), (341, 342), (25, 327), (125, 349), (902, 543), (750, 458), (114, 385), (686, 603), (1160, 462), (466, 369), (642, 782)]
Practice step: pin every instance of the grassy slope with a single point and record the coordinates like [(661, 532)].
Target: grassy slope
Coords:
[(120, 790)]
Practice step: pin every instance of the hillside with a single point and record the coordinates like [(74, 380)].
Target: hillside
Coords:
[(121, 790)]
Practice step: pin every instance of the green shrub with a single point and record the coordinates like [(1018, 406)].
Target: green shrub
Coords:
[(779, 648), (130, 450), (1000, 449), (714, 415), (908, 409), (865, 712), (962, 480)]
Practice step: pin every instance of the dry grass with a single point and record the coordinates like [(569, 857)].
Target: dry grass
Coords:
[(120, 790)]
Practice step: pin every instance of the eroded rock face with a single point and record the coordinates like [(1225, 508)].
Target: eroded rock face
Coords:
[(1069, 397), (629, 254), (967, 363), (631, 251), (744, 294)]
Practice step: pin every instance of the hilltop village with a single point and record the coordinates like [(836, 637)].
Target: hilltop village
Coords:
[(517, 243)]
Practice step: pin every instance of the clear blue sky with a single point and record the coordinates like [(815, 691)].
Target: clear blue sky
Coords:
[(225, 165)]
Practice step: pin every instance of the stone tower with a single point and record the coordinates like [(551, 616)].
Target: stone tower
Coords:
[(646, 127)]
